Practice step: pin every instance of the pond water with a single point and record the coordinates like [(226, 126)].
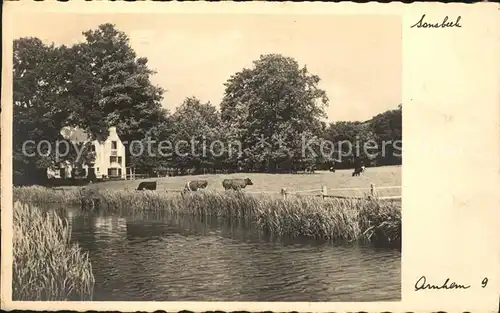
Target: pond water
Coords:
[(158, 257)]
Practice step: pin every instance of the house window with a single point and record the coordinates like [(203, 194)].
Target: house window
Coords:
[(97, 169), (92, 148), (112, 159), (114, 145), (120, 160)]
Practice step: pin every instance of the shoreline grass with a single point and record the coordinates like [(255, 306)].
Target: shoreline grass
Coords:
[(378, 222), (46, 265), (43, 195)]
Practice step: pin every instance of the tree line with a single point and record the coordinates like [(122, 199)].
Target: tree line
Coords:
[(267, 114)]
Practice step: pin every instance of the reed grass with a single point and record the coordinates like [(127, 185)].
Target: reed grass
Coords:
[(46, 265), (44, 195), (374, 221)]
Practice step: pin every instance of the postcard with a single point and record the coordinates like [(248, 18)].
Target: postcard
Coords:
[(249, 156)]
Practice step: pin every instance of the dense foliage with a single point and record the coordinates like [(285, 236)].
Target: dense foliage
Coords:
[(93, 85), (267, 114)]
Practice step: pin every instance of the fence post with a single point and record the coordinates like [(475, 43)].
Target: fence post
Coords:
[(324, 191), (283, 192), (372, 190)]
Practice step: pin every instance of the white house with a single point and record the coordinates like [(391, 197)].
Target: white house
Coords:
[(109, 157)]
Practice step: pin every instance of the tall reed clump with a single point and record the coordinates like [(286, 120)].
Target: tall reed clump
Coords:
[(331, 219), (46, 265), (222, 204), (381, 223), (311, 217), (44, 195)]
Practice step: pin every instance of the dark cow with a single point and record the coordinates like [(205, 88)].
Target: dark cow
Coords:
[(194, 185), (310, 170), (358, 170), (236, 184), (147, 185)]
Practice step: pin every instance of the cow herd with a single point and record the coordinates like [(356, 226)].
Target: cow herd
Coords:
[(228, 184), (194, 185)]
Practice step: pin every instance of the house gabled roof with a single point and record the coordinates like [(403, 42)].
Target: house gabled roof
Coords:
[(76, 134)]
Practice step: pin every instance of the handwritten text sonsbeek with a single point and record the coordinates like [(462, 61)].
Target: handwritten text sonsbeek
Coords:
[(444, 24)]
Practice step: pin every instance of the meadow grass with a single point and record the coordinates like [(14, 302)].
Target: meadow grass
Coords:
[(46, 265), (376, 221), (262, 182)]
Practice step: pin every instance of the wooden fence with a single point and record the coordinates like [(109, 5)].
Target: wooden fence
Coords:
[(323, 192), (371, 192)]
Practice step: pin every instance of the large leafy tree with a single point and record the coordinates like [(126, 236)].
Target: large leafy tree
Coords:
[(114, 89), (112, 86), (149, 155), (93, 85), (196, 128), (41, 95), (270, 107)]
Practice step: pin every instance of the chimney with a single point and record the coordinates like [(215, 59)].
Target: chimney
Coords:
[(112, 131)]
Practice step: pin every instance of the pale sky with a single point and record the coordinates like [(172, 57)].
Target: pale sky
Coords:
[(358, 58)]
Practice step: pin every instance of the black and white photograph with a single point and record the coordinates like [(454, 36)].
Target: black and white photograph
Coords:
[(229, 157), (257, 158)]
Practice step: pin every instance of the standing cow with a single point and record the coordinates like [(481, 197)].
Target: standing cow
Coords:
[(236, 184), (194, 185), (358, 170), (147, 185)]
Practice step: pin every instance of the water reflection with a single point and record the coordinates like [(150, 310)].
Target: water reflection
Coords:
[(156, 256)]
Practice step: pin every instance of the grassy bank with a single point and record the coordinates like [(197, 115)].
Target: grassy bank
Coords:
[(46, 265), (375, 221)]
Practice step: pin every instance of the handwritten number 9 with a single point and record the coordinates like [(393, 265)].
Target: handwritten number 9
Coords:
[(484, 282)]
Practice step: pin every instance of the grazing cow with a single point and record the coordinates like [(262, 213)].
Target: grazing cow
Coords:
[(332, 169), (236, 184), (358, 170), (194, 185), (147, 185)]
